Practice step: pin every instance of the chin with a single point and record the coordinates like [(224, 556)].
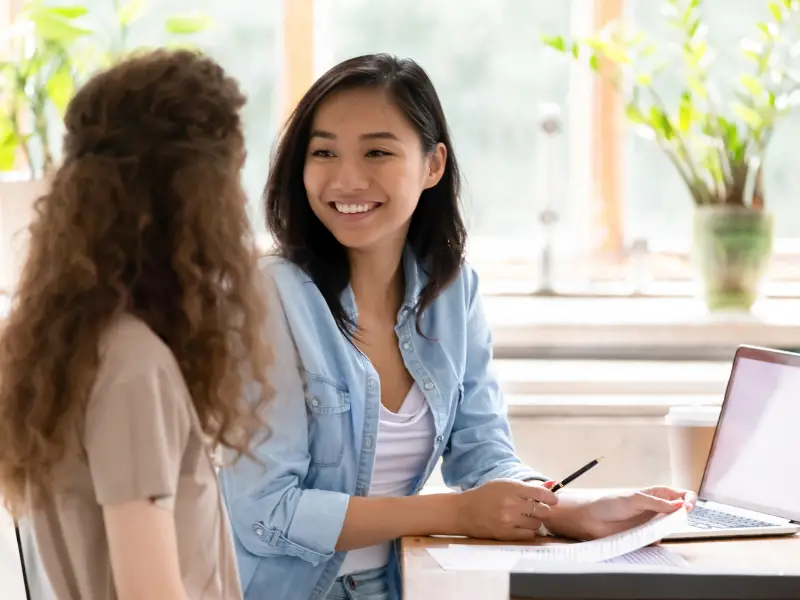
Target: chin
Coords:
[(353, 240)]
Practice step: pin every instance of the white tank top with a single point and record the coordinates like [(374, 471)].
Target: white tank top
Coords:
[(405, 440)]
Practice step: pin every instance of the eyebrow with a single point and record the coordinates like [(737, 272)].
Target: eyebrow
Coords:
[(375, 135)]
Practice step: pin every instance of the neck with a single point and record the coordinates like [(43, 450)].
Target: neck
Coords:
[(376, 277)]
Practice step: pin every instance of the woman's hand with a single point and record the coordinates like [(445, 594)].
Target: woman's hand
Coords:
[(503, 510), (589, 518)]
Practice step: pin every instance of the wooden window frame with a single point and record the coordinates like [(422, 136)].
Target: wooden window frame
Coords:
[(298, 52)]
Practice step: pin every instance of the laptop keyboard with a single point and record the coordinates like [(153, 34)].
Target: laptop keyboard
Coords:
[(706, 518)]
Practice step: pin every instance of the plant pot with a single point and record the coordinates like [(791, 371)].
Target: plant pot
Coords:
[(16, 212), (732, 250)]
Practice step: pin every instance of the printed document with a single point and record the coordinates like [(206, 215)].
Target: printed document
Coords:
[(628, 547)]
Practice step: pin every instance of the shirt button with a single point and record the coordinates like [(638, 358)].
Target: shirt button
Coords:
[(368, 442), (428, 385), (371, 385), (259, 530), (315, 402), (440, 438), (406, 345)]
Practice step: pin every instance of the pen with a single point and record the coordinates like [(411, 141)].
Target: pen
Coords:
[(575, 475)]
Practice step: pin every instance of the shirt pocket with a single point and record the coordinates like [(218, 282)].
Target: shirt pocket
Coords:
[(328, 409)]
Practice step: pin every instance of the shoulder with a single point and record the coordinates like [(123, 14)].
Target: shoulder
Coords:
[(280, 272), (289, 289), (463, 290), (130, 351), (129, 336)]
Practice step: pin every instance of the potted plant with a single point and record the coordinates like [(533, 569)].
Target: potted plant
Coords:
[(52, 50), (717, 145)]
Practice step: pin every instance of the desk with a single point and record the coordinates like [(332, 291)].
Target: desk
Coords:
[(422, 574)]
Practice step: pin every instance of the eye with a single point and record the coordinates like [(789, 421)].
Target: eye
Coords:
[(322, 153), (378, 153)]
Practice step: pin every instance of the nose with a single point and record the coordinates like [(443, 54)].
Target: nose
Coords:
[(348, 176)]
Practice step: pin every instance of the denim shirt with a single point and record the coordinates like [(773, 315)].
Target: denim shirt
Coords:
[(288, 508)]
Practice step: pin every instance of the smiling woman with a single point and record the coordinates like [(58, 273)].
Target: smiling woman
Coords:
[(372, 132)]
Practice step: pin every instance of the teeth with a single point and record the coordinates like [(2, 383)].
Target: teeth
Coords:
[(353, 208)]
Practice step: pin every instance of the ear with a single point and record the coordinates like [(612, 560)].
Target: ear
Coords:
[(436, 162)]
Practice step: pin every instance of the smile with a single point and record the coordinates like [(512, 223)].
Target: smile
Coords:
[(349, 209)]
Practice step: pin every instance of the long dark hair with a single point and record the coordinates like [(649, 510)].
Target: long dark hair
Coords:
[(436, 235)]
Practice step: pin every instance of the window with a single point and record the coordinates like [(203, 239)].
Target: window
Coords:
[(610, 189)]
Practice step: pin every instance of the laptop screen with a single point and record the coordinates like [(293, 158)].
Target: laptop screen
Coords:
[(755, 458)]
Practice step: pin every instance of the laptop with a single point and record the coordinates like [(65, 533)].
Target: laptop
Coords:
[(751, 481)]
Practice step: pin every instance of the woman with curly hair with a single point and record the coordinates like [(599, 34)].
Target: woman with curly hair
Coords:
[(135, 327)]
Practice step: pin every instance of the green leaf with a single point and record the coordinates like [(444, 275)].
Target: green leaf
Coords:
[(61, 87), (575, 50), (594, 63), (69, 12), (556, 42), (615, 54), (776, 11), (685, 112), (644, 79), (697, 87), (9, 144), (34, 9), (52, 27), (699, 50), (659, 121), (187, 24), (750, 116), (131, 11), (634, 114), (752, 84)]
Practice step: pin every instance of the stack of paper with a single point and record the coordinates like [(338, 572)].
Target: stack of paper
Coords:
[(628, 547)]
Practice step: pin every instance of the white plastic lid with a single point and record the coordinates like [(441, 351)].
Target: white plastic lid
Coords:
[(693, 416)]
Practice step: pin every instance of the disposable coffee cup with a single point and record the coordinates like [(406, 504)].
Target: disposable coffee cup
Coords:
[(690, 431)]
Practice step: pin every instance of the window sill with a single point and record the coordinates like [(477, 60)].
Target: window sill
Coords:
[(545, 378), (551, 326), (604, 406)]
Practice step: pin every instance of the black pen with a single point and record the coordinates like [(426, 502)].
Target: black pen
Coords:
[(575, 475)]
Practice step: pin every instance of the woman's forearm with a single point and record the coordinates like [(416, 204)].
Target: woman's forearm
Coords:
[(566, 517), (374, 520)]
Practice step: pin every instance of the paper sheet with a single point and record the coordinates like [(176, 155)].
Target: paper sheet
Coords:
[(507, 561), (627, 547), (651, 555)]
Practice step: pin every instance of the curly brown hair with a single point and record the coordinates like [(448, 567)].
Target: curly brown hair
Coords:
[(146, 215)]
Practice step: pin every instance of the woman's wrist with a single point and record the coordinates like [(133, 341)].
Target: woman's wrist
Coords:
[(569, 517), (442, 513)]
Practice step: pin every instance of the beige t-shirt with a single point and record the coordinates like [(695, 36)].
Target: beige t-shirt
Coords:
[(141, 439)]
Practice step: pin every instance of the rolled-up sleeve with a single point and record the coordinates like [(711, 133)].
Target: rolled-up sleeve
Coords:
[(271, 513), (480, 447)]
